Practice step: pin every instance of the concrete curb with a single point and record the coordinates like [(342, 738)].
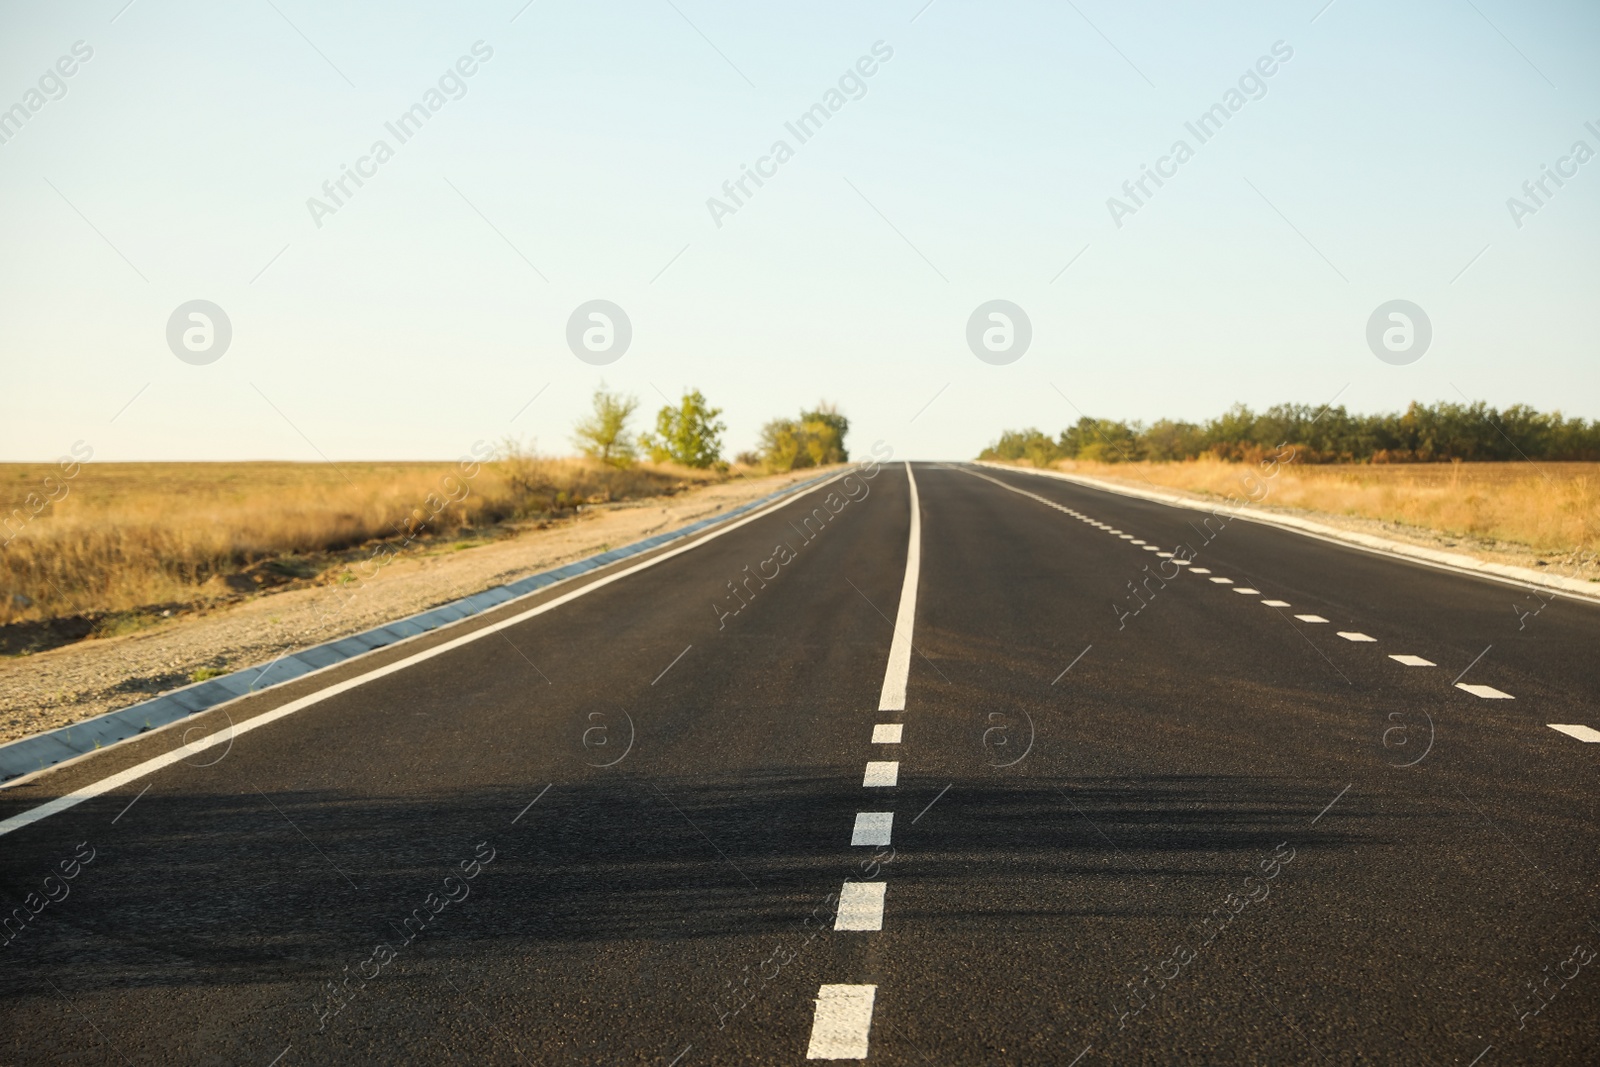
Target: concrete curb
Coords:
[(1452, 561), (35, 753)]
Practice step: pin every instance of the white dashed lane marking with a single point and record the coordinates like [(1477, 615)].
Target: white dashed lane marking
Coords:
[(861, 906), (872, 828), (843, 1020), (881, 773), (1486, 692)]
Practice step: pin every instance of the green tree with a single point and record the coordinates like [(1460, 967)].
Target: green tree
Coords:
[(782, 445), (1029, 444), (1322, 434), (815, 439), (827, 429), (688, 434), (1101, 440), (1169, 440), (603, 433)]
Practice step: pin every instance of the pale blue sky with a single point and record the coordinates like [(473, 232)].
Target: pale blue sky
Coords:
[(977, 164)]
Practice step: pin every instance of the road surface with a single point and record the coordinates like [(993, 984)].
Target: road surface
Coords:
[(1048, 775)]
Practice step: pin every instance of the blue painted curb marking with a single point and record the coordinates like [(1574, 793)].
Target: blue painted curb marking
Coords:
[(43, 750)]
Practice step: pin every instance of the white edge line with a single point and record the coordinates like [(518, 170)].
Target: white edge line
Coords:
[(893, 695), (150, 766), (1502, 573), (189, 720)]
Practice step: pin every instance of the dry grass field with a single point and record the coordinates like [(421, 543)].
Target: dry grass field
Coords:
[(120, 543), (123, 538), (1551, 510)]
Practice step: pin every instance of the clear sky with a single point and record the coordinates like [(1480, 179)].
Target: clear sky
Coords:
[(426, 308)]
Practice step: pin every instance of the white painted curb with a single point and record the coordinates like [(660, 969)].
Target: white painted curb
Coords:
[(1453, 561)]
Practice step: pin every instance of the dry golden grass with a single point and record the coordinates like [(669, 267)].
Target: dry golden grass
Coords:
[(1549, 508), (130, 535)]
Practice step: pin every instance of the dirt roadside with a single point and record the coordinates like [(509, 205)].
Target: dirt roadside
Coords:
[(66, 685)]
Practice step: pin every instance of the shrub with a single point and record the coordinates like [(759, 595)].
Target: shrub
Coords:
[(603, 433), (815, 439)]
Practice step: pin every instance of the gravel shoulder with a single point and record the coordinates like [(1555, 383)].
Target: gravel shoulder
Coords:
[(51, 689)]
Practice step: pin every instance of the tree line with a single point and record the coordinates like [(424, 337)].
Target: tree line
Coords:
[(1423, 433), (690, 433)]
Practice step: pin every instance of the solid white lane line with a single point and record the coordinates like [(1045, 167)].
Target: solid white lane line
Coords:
[(1311, 618), (1246, 590), (1487, 692), (1223, 581), (1355, 635), (1199, 570), (844, 1018), (1582, 733), (893, 695), (1276, 603), (872, 828), (881, 773), (227, 734), (1413, 661), (861, 906)]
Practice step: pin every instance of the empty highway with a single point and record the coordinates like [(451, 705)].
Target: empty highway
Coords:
[(928, 764)]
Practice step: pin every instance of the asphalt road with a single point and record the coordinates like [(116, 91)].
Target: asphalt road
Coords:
[(619, 829)]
